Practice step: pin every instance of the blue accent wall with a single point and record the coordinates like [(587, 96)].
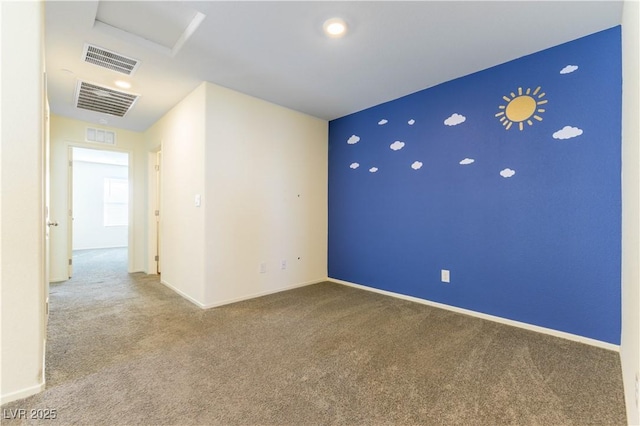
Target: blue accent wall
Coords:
[(527, 221)]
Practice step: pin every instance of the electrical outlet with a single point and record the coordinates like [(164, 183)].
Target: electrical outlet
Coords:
[(283, 264), (445, 275), (263, 268)]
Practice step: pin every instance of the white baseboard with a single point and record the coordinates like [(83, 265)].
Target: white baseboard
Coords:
[(98, 248), (238, 299), (544, 330), (23, 393), (181, 293), (58, 279), (262, 293)]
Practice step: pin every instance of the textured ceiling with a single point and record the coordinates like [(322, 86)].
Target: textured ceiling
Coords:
[(276, 50)]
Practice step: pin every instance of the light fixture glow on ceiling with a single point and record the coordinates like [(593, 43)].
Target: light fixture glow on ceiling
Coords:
[(123, 84), (335, 27)]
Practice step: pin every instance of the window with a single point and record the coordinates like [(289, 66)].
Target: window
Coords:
[(116, 202)]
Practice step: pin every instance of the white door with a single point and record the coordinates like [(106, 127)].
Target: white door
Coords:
[(47, 197), (48, 221)]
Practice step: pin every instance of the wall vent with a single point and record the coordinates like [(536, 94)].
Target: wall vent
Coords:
[(100, 136), (102, 99), (110, 60)]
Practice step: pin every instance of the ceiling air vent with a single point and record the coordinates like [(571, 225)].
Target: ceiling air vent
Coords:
[(111, 60), (102, 99)]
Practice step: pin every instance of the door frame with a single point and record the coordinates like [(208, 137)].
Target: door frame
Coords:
[(154, 203)]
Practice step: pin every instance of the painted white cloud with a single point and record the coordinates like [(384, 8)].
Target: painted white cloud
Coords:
[(467, 161), (568, 69), (411, 122), (567, 132), (373, 169), (354, 165), (353, 139), (383, 121), (416, 165), (455, 119), (396, 145), (507, 173)]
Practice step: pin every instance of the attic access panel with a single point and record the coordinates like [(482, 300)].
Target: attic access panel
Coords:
[(162, 26)]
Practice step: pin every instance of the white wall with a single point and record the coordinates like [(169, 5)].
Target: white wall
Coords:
[(261, 172), (89, 231), (66, 132), (630, 342), (22, 231), (182, 134), (266, 197)]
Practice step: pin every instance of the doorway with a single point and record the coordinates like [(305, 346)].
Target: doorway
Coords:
[(98, 205)]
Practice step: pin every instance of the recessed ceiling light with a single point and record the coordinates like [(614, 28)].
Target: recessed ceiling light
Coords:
[(123, 84), (335, 27)]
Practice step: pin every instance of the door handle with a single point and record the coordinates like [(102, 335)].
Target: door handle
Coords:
[(52, 223)]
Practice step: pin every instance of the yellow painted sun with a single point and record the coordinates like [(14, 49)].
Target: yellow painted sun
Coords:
[(521, 108)]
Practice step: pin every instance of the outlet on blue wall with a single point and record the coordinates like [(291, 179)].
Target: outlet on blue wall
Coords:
[(509, 178)]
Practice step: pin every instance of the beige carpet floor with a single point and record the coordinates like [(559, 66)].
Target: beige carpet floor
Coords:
[(125, 350)]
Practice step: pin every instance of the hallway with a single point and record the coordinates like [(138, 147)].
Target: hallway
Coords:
[(101, 313)]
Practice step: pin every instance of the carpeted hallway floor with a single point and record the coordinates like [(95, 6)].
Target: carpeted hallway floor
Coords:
[(125, 350)]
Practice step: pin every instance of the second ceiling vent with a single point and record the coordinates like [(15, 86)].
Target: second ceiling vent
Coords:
[(111, 60), (103, 99)]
